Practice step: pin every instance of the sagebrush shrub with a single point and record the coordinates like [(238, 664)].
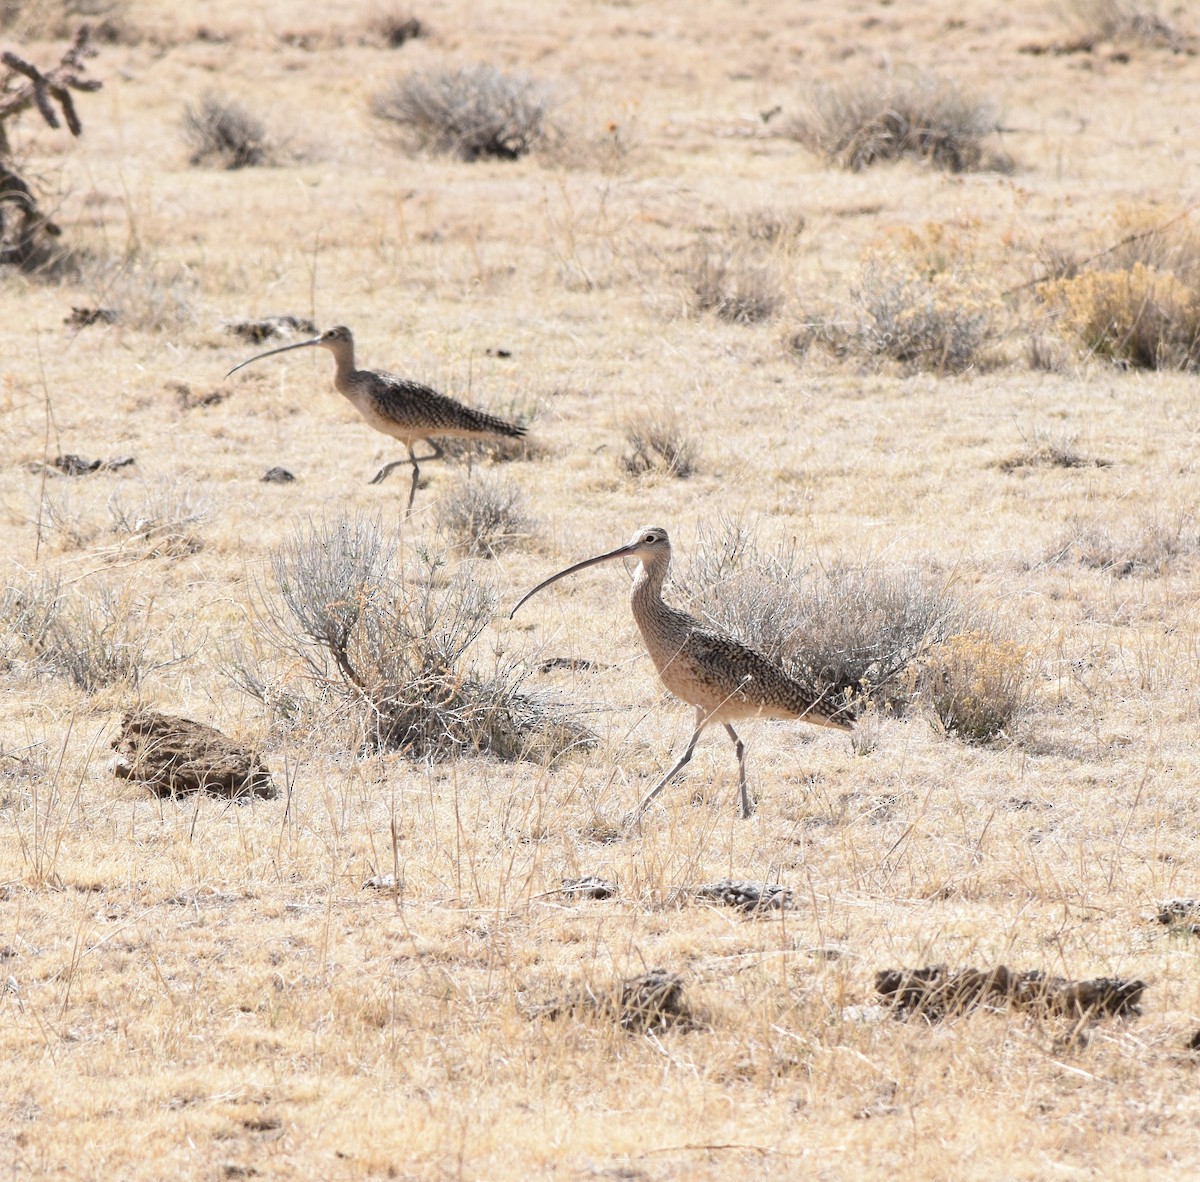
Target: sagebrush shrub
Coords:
[(658, 442), (483, 514), (860, 124), (472, 113), (221, 129)]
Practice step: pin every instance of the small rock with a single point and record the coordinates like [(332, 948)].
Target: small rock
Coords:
[(268, 327), (747, 896), (84, 317), (277, 475), (589, 887)]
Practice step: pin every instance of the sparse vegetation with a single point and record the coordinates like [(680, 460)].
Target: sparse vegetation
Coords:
[(976, 683), (1047, 449), (391, 641), (474, 113), (95, 639), (937, 324), (1141, 21), (861, 124), (1151, 546), (848, 630), (481, 514), (221, 130), (732, 284), (658, 442)]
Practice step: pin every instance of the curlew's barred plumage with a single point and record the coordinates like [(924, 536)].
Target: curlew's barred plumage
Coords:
[(721, 677), (404, 409)]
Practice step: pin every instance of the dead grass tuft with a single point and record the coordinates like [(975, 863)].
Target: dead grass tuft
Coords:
[(222, 130), (652, 1001), (481, 514), (387, 645), (95, 640), (1152, 546), (860, 124), (658, 442), (474, 113), (1043, 449), (395, 27), (732, 284), (1140, 21)]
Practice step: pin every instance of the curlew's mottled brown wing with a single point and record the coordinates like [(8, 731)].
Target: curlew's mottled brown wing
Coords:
[(412, 406), (738, 673)]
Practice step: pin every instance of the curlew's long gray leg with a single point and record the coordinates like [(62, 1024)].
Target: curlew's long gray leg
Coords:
[(701, 723), (740, 748), (416, 461)]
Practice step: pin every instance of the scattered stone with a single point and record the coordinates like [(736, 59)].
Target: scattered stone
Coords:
[(173, 756), (747, 896), (1181, 914), (190, 401), (268, 327), (933, 992), (85, 317), (381, 882), (73, 465), (589, 887), (651, 1001), (277, 475), (573, 664)]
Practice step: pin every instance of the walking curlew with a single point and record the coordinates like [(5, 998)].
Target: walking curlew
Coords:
[(398, 407), (722, 678)]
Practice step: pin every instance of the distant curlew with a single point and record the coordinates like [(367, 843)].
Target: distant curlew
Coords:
[(718, 675), (398, 407)]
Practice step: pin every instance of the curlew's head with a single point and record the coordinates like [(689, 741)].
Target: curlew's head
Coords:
[(338, 340), (649, 545)]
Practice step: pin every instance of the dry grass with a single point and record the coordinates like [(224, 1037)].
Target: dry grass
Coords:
[(222, 130), (659, 442), (200, 988), (482, 514)]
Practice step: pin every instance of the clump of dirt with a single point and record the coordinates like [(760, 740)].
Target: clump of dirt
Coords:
[(175, 756)]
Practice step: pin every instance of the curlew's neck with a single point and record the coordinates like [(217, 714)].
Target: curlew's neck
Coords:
[(645, 597), (343, 358)]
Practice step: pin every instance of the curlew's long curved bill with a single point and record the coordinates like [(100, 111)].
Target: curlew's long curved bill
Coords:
[(272, 352), (619, 552)]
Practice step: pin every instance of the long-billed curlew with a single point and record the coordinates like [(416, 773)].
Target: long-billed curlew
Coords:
[(722, 678), (403, 409)]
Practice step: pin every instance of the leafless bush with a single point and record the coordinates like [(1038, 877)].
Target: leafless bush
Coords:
[(847, 629), (976, 682), (860, 124), (1150, 547), (482, 515), (770, 226), (390, 643), (658, 442), (936, 323), (472, 113), (732, 284), (221, 129), (145, 295), (94, 640)]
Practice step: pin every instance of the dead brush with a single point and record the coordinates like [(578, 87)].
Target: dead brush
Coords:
[(161, 519), (481, 515), (145, 294), (658, 442), (977, 683), (938, 324), (221, 129), (386, 644), (732, 283), (844, 631), (394, 27), (1150, 547), (94, 640), (857, 125), (474, 113)]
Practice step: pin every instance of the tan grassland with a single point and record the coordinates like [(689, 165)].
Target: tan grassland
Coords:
[(197, 989)]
